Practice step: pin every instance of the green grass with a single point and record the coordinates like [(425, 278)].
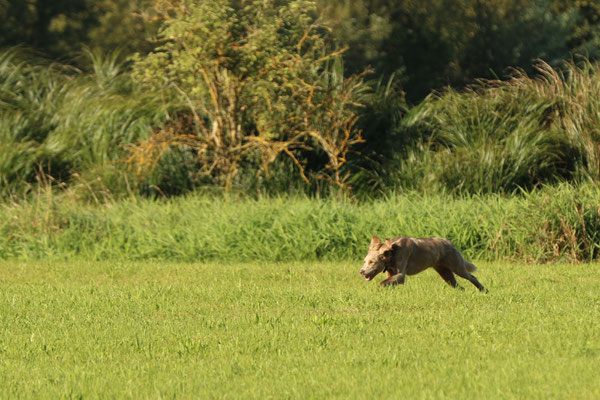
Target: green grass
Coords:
[(58, 121), (554, 224), (303, 330)]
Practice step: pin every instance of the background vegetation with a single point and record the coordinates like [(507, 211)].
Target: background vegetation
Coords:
[(560, 223), (462, 105), (278, 97)]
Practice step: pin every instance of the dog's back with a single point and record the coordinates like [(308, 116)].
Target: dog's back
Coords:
[(424, 253)]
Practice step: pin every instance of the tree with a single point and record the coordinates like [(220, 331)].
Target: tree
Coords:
[(259, 81), (50, 26), (433, 43), (584, 34), (59, 28)]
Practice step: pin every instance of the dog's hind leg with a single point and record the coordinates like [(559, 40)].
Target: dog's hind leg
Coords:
[(463, 268), (448, 276), (463, 273)]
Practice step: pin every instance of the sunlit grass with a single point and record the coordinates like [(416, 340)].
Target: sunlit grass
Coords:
[(500, 136), (553, 224), (303, 330)]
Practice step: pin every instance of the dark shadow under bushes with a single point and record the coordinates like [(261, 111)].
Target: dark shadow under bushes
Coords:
[(380, 124)]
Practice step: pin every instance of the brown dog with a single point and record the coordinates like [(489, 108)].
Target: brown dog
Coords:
[(403, 256)]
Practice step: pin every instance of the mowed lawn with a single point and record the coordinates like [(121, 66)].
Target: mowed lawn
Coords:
[(295, 330)]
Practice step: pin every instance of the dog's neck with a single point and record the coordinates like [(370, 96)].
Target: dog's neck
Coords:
[(388, 266)]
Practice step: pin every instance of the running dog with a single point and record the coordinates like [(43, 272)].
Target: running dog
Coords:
[(402, 256)]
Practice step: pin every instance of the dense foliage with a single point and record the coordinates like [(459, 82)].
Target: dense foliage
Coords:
[(60, 124), (59, 28), (500, 136), (433, 43), (430, 43), (263, 97), (259, 83)]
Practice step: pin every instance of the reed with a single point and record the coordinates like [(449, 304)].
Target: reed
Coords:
[(503, 136)]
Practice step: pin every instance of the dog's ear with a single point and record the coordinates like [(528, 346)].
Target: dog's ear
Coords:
[(375, 243), (387, 250)]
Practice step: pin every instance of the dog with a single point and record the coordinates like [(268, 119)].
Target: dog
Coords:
[(402, 256)]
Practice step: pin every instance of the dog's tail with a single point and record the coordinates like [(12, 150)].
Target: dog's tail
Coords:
[(470, 267)]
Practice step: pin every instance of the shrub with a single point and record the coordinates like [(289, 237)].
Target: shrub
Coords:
[(259, 82), (58, 122), (500, 136)]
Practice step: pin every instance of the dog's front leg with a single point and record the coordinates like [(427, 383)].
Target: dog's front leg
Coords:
[(397, 279), (400, 265)]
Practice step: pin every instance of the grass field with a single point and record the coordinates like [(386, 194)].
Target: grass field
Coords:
[(82, 329)]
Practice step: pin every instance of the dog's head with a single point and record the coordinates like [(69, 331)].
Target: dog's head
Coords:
[(378, 255)]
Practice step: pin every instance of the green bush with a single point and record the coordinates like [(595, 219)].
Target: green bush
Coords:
[(78, 129), (74, 128), (260, 81), (502, 136)]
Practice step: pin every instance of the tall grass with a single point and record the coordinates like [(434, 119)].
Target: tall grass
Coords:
[(72, 126), (576, 92), (551, 224), (28, 100), (499, 136)]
